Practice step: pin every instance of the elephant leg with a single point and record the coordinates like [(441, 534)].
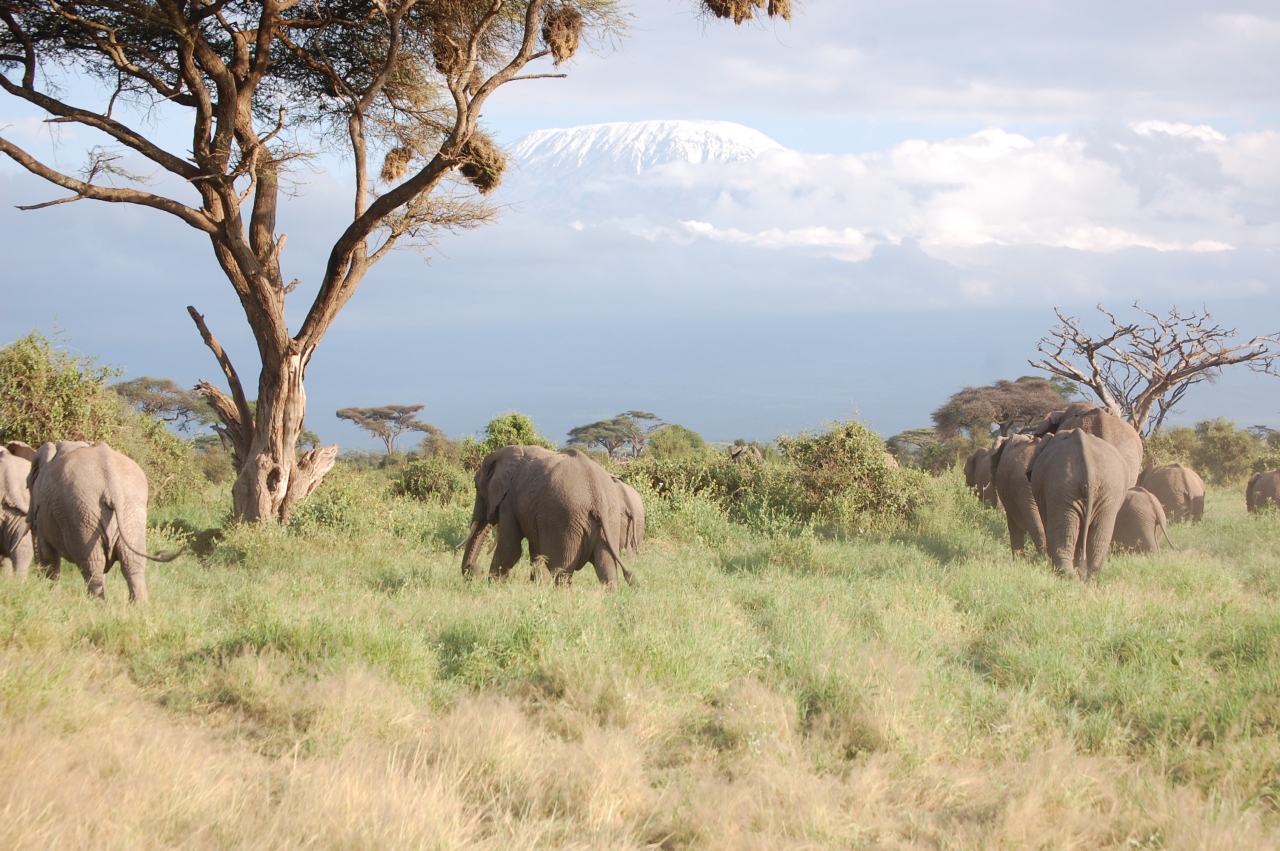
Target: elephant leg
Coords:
[(606, 566), (134, 569), (1197, 509), (93, 569), (540, 573), (506, 552), (22, 557), (1099, 536), (1065, 538), (1017, 538)]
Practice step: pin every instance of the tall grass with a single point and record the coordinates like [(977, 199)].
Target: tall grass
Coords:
[(339, 684)]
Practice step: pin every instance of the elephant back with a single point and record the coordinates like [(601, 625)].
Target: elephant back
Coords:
[(1097, 421)]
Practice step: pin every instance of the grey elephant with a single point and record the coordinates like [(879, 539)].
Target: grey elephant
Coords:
[(567, 506), (1140, 522), (15, 505), (1090, 418), (1179, 489), (1263, 489), (742, 453), (979, 475), (1011, 460), (89, 506), (1079, 482), (631, 517)]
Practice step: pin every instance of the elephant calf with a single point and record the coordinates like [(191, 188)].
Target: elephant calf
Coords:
[(1179, 489), (1079, 482), (1140, 522), (89, 506)]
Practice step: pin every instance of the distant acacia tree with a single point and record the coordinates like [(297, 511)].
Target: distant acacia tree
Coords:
[(1008, 404), (263, 85), (388, 422), (630, 428), (1141, 371), (164, 400)]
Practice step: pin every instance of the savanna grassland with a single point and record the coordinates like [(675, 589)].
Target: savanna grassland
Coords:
[(338, 684)]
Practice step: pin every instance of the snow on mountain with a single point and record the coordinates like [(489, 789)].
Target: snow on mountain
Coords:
[(634, 147)]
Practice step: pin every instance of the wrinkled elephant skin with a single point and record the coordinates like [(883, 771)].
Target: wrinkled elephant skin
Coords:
[(1088, 417), (1011, 460), (1079, 483), (1140, 522), (1179, 489)]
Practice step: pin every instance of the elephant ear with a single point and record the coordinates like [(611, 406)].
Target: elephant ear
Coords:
[(996, 454), (22, 450), (501, 475), (1049, 424), (46, 453)]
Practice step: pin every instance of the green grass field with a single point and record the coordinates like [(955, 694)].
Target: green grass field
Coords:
[(339, 685)]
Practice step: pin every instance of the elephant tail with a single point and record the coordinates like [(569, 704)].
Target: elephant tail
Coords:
[(1165, 530), (110, 513)]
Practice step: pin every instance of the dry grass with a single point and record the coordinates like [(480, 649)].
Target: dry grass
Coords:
[(343, 687)]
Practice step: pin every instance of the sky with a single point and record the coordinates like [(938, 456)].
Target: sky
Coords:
[(943, 175)]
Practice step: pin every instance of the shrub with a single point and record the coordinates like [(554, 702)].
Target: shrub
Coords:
[(512, 429), (434, 479), (675, 441), (47, 394), (837, 478), (1216, 449)]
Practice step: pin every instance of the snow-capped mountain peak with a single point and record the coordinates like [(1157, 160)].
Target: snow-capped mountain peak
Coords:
[(634, 147)]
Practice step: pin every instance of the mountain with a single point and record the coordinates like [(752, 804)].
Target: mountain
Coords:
[(630, 148)]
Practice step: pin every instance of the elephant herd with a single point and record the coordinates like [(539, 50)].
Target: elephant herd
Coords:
[(570, 509), (80, 501), (1075, 485)]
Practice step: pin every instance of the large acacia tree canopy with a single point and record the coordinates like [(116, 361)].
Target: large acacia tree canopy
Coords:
[(972, 411)]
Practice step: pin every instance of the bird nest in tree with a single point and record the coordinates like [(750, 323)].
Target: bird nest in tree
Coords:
[(483, 163), (744, 10), (395, 164), (561, 29)]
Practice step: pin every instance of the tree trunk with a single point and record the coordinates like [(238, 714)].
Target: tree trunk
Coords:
[(272, 478)]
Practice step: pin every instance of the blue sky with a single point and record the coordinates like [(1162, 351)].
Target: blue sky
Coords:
[(992, 160)]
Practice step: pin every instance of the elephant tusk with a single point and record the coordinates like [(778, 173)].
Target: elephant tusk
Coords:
[(471, 531)]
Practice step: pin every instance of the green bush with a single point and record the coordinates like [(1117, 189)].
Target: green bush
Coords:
[(1216, 449), (434, 479), (48, 394), (675, 441), (838, 478)]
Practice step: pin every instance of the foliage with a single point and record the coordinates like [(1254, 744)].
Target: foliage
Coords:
[(674, 441), (923, 449), (1009, 404), (511, 429), (837, 478), (48, 394), (388, 422), (163, 399), (435, 478), (626, 429), (1216, 449)]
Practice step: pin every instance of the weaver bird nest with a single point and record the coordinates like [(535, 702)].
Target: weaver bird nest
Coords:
[(561, 29), (395, 164), (745, 10), (483, 163)]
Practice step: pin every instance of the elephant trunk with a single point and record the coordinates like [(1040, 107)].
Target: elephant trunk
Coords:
[(472, 545)]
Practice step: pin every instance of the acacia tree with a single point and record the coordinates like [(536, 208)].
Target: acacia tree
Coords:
[(262, 84), (163, 399), (972, 410), (630, 428), (388, 422), (1142, 371)]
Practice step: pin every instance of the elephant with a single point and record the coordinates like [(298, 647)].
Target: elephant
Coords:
[(631, 527), (1263, 488), (1100, 423), (745, 452), (1079, 483), (1179, 489), (1010, 461), (1140, 522), (891, 461), (15, 504), (89, 506), (568, 507), (980, 476)]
